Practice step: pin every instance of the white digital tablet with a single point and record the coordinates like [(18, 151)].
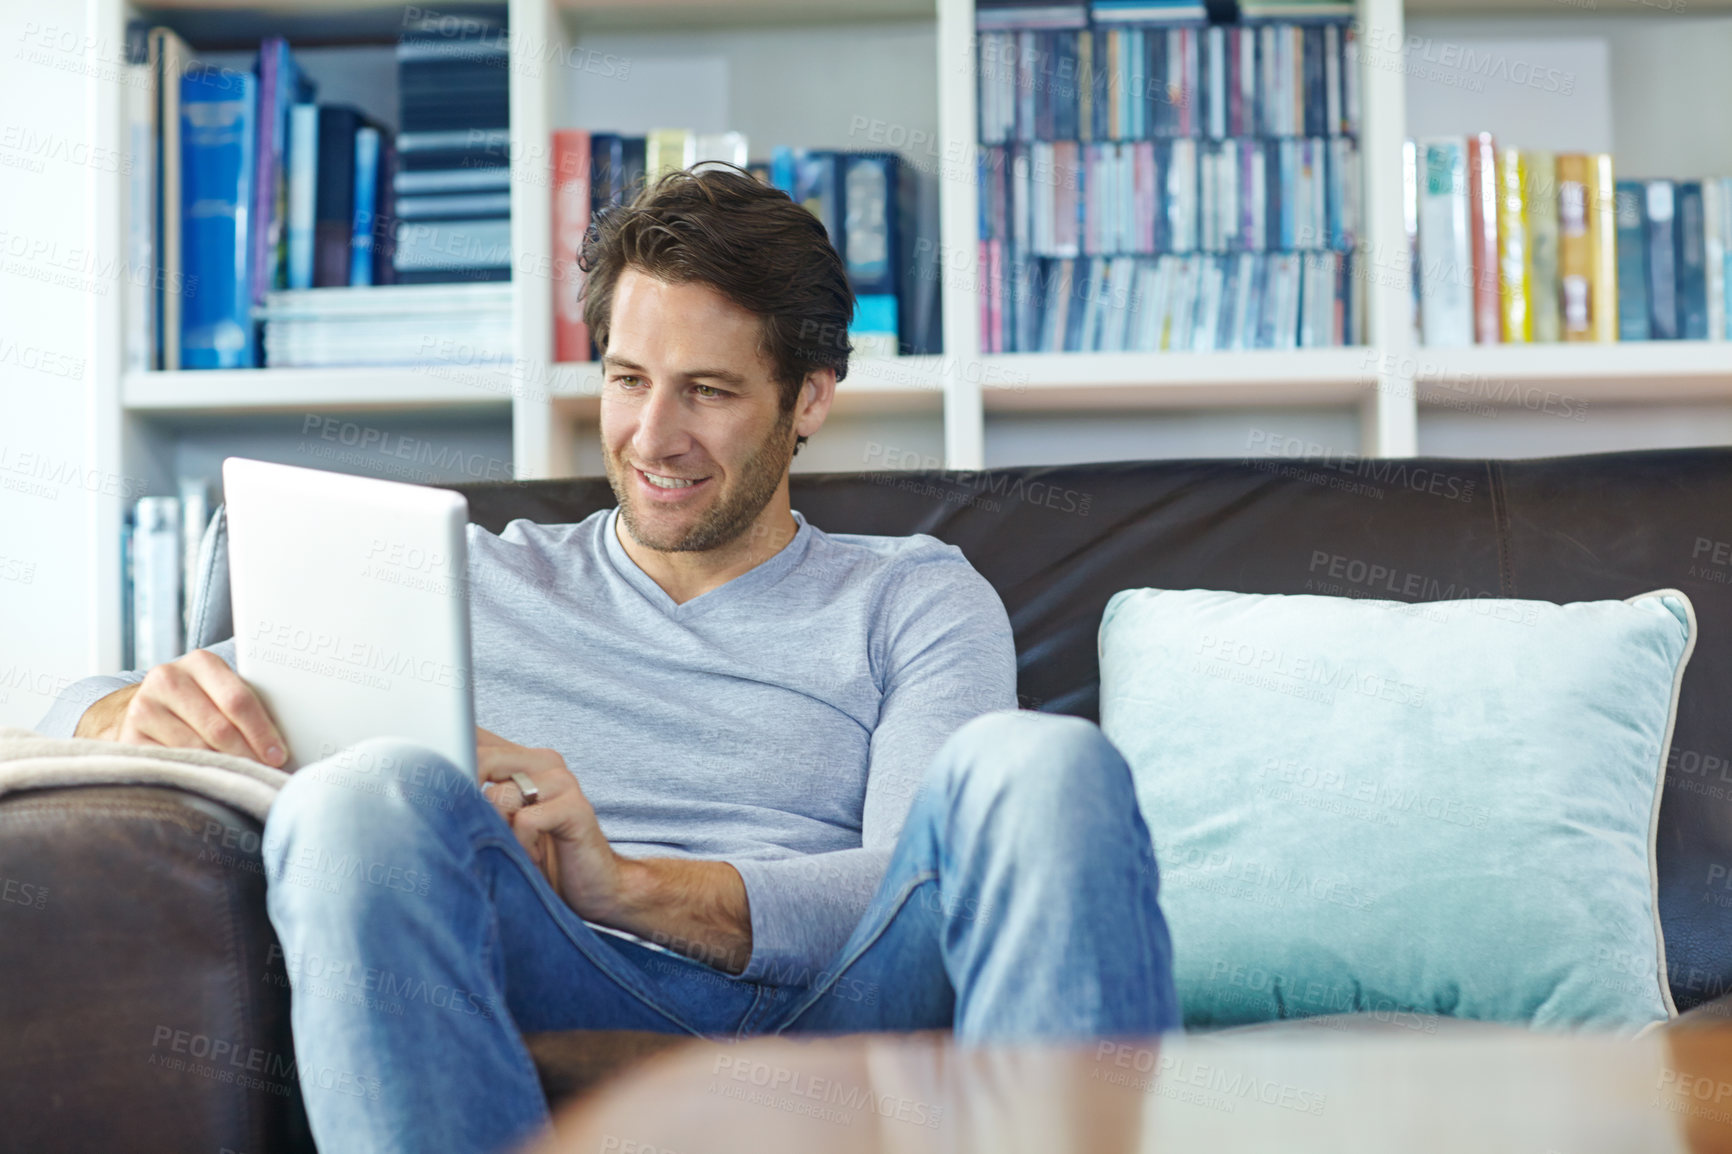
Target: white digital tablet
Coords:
[(351, 608)]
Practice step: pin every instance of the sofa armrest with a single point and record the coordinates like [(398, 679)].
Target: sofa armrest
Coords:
[(146, 999)]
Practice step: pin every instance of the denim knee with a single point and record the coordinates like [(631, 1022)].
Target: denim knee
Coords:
[(1043, 768), (373, 799)]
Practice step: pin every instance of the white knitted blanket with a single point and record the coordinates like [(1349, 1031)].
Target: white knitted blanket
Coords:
[(30, 761)]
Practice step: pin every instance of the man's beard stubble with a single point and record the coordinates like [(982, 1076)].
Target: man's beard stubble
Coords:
[(732, 514)]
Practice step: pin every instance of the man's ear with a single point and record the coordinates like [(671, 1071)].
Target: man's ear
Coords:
[(817, 391)]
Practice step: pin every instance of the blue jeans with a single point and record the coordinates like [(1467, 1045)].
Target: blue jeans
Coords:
[(421, 942)]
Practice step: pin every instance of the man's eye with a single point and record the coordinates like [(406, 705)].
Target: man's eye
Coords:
[(625, 380), (709, 391)]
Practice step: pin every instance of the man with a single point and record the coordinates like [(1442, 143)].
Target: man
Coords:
[(777, 780)]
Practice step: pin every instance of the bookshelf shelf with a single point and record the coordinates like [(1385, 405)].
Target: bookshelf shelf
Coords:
[(1060, 382), (874, 385), (276, 390), (1635, 373)]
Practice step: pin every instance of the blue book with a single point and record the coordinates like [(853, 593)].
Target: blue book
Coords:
[(281, 85), (366, 206), (1692, 262), (219, 113), (1632, 261), (1662, 233), (303, 170), (871, 224)]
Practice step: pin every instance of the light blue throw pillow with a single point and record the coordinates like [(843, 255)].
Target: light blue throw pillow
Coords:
[(1443, 808)]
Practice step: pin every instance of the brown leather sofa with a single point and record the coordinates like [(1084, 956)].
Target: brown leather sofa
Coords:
[(144, 1005)]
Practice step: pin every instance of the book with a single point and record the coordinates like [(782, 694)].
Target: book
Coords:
[(1662, 261), (1514, 257), (1482, 227), (571, 158), (1714, 255), (334, 195), (282, 84), (1630, 200), (194, 516), (385, 220), (1691, 262), (169, 60), (668, 149), (157, 555), (1410, 178), (1446, 255), (1540, 199), (1575, 248), (303, 163), (141, 251), (218, 123), (726, 147), (366, 211), (1602, 248)]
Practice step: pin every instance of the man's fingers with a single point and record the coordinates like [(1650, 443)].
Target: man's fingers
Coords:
[(239, 707), (150, 722), (183, 696)]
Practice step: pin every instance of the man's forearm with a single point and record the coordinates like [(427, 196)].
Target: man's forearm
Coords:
[(697, 908), (102, 720)]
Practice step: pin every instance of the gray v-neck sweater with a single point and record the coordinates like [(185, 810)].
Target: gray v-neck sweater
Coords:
[(780, 722)]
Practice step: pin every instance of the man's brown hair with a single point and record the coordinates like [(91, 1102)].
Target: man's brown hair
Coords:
[(722, 227)]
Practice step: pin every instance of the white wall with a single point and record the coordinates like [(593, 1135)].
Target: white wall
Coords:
[(50, 281)]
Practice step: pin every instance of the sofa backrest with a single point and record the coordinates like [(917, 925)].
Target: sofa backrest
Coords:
[(1058, 542)]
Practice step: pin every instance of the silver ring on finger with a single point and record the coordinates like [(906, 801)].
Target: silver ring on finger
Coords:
[(531, 795)]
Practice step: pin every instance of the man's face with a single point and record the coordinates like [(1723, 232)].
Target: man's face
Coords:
[(692, 433)]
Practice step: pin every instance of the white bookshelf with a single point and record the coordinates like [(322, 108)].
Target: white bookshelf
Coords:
[(941, 409)]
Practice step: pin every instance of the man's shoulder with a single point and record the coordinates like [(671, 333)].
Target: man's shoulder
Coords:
[(916, 567), (522, 536)]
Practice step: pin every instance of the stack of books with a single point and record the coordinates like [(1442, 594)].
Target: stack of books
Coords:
[(1149, 181), (460, 324), (240, 186), (1513, 246), (452, 189)]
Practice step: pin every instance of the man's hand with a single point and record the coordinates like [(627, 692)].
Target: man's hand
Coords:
[(559, 830), (697, 908), (192, 702)]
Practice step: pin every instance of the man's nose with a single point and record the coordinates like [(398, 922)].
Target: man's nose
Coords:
[(661, 427)]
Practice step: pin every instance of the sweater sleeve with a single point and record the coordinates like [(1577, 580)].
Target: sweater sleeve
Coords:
[(947, 657), (63, 716)]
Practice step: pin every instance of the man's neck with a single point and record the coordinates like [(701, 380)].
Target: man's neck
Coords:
[(683, 576)]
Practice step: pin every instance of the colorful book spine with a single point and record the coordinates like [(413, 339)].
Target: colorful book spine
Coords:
[(366, 212), (1632, 261), (334, 198), (571, 208), (1482, 211), (1662, 261), (1714, 250), (156, 582), (1514, 257), (1691, 263), (303, 162), (1575, 248), (1445, 246), (1540, 196), (141, 252), (1602, 248), (218, 123), (170, 59)]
